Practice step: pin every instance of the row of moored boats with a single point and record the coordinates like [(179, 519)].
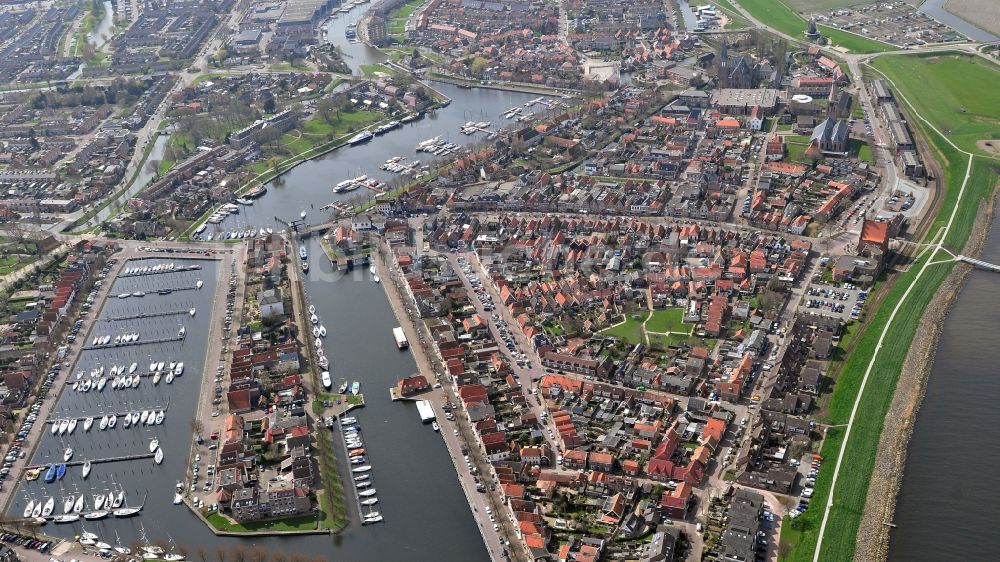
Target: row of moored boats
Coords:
[(367, 496)]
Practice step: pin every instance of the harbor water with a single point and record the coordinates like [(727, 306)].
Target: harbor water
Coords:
[(949, 505)]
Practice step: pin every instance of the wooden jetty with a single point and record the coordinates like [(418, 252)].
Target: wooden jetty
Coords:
[(53, 418), (145, 315)]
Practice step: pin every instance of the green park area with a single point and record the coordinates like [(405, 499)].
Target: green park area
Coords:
[(778, 15), (663, 328), (936, 96)]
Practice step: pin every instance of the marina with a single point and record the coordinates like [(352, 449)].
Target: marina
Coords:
[(99, 430)]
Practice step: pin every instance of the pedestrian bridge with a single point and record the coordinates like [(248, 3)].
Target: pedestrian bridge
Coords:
[(978, 263)]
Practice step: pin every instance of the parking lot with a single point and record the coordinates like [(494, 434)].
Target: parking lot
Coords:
[(840, 300)]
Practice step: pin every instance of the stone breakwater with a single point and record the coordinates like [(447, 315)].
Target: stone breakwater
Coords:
[(887, 475)]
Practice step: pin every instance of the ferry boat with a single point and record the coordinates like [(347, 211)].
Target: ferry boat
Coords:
[(363, 136), (302, 252)]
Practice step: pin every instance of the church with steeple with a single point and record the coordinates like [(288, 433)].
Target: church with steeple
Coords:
[(734, 72)]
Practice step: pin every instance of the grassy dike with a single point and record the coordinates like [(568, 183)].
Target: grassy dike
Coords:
[(780, 16), (915, 288)]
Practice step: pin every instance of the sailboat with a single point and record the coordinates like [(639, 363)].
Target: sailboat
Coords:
[(37, 510), (192, 311), (68, 454), (55, 425), (68, 504), (160, 416), (199, 284), (88, 423), (86, 468), (112, 421), (132, 368), (154, 445), (126, 421), (152, 366), (169, 378), (99, 501), (104, 423), (179, 369), (180, 333), (322, 331), (101, 383), (119, 499), (143, 417), (79, 505), (66, 518), (159, 366), (63, 426), (156, 378), (72, 426), (118, 545), (29, 508), (158, 456)]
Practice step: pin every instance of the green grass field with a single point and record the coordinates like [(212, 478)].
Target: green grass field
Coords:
[(375, 69), (799, 536), (668, 320), (631, 330), (780, 16), (303, 523), (736, 20), (960, 94), (396, 22)]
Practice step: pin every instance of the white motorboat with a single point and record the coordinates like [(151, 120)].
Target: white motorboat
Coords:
[(104, 423), (435, 426), (160, 416), (199, 284), (192, 311), (369, 501), (67, 454), (132, 368), (178, 498), (318, 343), (86, 469), (126, 421), (373, 519), (156, 378), (143, 417), (169, 378), (314, 319), (154, 445), (63, 426), (72, 426), (112, 421), (99, 501), (158, 456), (312, 309), (322, 331), (360, 485), (55, 426), (179, 369), (180, 333), (315, 331), (159, 366), (360, 469), (376, 278), (66, 518), (88, 423)]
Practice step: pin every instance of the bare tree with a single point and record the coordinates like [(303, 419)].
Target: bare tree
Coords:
[(202, 553), (239, 553), (221, 554)]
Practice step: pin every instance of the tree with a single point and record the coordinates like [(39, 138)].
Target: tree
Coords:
[(221, 554), (478, 66), (202, 553)]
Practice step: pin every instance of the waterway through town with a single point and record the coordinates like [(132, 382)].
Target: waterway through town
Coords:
[(948, 506)]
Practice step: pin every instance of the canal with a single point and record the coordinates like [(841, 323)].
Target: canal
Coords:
[(102, 30), (949, 504)]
